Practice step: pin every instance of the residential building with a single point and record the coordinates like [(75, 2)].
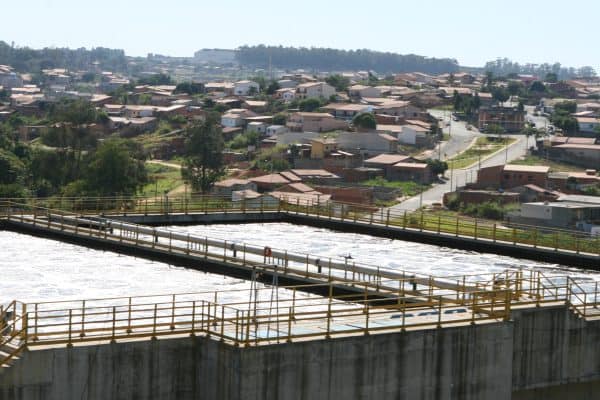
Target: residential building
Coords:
[(401, 109), (323, 147), (584, 155), (285, 94), (314, 122), (588, 124), (360, 91), (314, 90), (347, 111), (226, 187), (245, 88), (509, 118), (568, 212), (8, 78), (274, 130), (368, 144), (259, 127), (510, 176)]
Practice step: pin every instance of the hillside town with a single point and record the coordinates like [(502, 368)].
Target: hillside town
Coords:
[(353, 137)]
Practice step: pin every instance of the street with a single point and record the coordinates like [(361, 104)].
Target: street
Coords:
[(460, 177)]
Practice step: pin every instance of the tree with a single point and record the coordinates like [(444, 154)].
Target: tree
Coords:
[(156, 79), (365, 121), (438, 167), (537, 86), (115, 168), (339, 82), (279, 119), (203, 163), (190, 88), (309, 105), (500, 94), (551, 77), (272, 87)]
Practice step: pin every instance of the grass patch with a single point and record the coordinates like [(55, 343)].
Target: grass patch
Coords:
[(408, 188), (483, 147), (554, 166), (161, 179)]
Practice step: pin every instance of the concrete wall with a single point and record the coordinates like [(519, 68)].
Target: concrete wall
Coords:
[(552, 347), (451, 363)]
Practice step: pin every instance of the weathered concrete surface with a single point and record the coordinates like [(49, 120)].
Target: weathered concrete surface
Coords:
[(552, 347), (451, 363), (234, 217)]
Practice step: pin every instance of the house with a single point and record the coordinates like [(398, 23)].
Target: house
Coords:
[(320, 176), (226, 187), (360, 91), (128, 127), (236, 117), (231, 120), (510, 176), (287, 83), (401, 109), (347, 111), (274, 130), (8, 78), (588, 124), (259, 127), (314, 90), (368, 143), (323, 147), (509, 118), (245, 88), (568, 212), (411, 171), (314, 122), (285, 94), (385, 162), (270, 182), (572, 182), (226, 88), (584, 155), (255, 105)]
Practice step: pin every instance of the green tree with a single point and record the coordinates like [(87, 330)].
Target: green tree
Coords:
[(272, 88), (115, 168), (190, 88), (279, 119), (156, 79), (339, 82), (437, 166), (365, 121), (551, 77), (537, 86), (203, 163), (309, 105)]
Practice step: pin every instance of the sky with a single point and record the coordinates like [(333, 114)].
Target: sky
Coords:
[(471, 31)]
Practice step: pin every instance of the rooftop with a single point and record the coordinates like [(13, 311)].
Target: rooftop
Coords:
[(526, 168), (387, 159)]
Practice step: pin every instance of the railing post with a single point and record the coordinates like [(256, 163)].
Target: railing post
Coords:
[(154, 321), (25, 322), (387, 218), (82, 333), (172, 312), (404, 220), (69, 342), (494, 233), (114, 323), (289, 335), (193, 317)]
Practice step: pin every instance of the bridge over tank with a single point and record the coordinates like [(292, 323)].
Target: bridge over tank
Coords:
[(566, 247)]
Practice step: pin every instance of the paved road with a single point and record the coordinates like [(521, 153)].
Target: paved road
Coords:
[(460, 136), (460, 177)]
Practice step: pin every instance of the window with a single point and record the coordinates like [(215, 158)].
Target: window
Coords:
[(529, 178)]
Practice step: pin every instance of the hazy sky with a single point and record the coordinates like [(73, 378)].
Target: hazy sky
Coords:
[(472, 31)]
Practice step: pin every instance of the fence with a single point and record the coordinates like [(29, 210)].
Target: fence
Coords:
[(458, 226)]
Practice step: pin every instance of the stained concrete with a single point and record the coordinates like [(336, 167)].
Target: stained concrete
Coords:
[(450, 363), (545, 353)]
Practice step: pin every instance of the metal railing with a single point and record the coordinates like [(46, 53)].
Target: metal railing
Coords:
[(237, 321), (458, 226)]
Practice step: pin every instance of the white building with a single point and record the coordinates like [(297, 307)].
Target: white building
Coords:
[(244, 88), (259, 127), (314, 90), (274, 130)]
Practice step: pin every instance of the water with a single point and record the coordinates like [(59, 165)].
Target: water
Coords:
[(36, 269)]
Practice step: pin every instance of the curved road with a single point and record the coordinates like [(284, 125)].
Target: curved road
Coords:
[(459, 141)]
